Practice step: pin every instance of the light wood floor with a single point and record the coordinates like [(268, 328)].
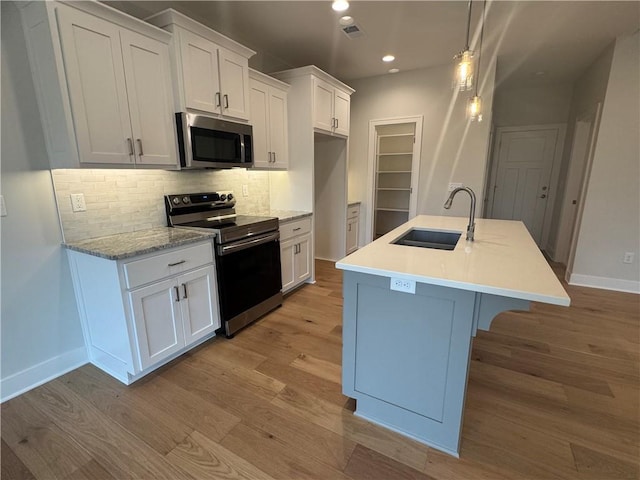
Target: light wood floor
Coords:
[(553, 393)]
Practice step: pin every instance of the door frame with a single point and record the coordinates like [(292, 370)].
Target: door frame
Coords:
[(554, 178), (371, 167), (595, 115)]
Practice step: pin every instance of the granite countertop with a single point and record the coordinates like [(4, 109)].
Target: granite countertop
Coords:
[(503, 260), (131, 244), (288, 215)]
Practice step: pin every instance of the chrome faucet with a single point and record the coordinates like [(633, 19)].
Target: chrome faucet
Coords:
[(472, 210)]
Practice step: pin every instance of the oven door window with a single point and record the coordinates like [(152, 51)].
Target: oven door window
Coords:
[(248, 277), (215, 146)]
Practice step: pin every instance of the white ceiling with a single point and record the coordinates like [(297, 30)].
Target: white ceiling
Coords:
[(560, 38)]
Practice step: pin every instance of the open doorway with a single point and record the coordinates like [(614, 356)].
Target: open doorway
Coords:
[(394, 163)]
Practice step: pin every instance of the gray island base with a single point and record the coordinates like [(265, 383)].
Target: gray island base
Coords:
[(406, 356), (406, 352)]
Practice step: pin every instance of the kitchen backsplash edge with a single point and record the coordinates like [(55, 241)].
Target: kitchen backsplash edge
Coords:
[(120, 201)]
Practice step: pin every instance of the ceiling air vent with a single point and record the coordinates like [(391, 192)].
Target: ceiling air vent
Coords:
[(352, 31)]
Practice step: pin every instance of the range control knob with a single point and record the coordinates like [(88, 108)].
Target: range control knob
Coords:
[(223, 197), (175, 200), (185, 199), (230, 197)]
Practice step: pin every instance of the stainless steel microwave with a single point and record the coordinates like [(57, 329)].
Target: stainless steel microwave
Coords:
[(206, 142)]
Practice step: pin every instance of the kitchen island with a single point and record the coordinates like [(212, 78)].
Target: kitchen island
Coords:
[(410, 315)]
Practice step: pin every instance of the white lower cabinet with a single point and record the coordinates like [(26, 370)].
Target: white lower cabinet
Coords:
[(139, 313), (353, 220), (295, 252)]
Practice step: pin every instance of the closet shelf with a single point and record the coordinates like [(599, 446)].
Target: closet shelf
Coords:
[(384, 209)]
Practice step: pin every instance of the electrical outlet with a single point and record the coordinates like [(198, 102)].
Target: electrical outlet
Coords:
[(628, 257), (402, 285), (3, 207), (245, 190), (77, 202), (453, 186)]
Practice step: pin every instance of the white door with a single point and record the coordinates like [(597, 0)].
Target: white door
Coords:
[(287, 255), (303, 258), (259, 97), (322, 105), (199, 303), (521, 187), (146, 67), (97, 87), (341, 112), (278, 128), (234, 84), (158, 322), (200, 72)]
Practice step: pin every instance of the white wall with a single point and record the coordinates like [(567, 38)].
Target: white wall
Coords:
[(611, 218), (40, 325), (539, 105), (453, 149)]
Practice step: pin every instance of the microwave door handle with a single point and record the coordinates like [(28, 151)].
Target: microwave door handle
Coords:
[(242, 149)]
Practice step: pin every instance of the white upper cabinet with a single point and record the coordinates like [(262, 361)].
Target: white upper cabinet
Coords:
[(268, 101), (330, 108), (104, 90), (211, 71)]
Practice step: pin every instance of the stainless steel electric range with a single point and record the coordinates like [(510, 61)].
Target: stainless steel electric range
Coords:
[(247, 250)]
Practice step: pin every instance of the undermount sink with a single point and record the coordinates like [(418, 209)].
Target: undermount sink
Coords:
[(429, 239)]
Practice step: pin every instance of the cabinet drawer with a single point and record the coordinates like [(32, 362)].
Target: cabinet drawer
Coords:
[(353, 210), (295, 228), (157, 267)]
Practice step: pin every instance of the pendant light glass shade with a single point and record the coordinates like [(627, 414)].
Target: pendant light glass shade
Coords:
[(464, 71), (474, 108)]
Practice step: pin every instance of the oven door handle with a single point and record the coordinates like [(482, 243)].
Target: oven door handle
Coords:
[(244, 244)]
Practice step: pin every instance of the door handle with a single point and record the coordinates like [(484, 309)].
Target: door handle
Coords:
[(226, 101), (130, 142), (140, 146), (274, 157), (337, 122), (184, 286), (217, 99), (177, 294)]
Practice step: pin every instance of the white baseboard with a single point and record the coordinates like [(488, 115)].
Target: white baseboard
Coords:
[(36, 375), (605, 283)]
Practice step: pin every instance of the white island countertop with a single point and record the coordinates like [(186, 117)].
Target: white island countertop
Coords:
[(503, 260)]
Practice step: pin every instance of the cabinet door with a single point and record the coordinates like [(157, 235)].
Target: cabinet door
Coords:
[(97, 87), (341, 112), (303, 258), (199, 303), (200, 72), (322, 105), (157, 321), (352, 235), (278, 128), (146, 67), (234, 84), (259, 95), (287, 260)]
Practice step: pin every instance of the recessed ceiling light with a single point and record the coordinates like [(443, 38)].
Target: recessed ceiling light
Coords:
[(540, 73), (340, 5), (388, 58), (394, 70), (346, 20)]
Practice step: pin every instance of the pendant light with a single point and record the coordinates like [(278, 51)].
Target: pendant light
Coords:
[(474, 105), (464, 62)]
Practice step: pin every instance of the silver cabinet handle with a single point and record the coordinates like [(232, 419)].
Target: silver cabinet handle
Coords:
[(349, 227), (296, 229), (217, 99), (226, 101), (269, 153), (176, 263), (130, 142), (274, 157), (184, 286), (177, 294), (140, 147), (543, 196), (337, 122)]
